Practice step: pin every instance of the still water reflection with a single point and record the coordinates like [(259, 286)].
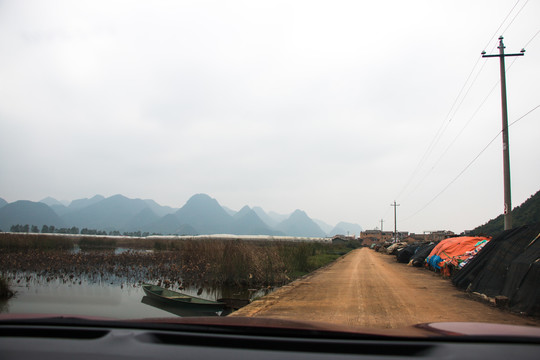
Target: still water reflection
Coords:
[(106, 300)]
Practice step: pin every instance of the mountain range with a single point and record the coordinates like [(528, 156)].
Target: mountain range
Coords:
[(201, 214)]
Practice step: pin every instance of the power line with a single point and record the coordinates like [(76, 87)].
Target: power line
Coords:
[(469, 165), (528, 42), (446, 122), (500, 26), (461, 131), (515, 16), (457, 177), (527, 113)]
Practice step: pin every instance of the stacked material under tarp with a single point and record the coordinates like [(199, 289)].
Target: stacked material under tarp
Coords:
[(419, 257), (394, 248), (509, 266), (449, 253), (405, 254)]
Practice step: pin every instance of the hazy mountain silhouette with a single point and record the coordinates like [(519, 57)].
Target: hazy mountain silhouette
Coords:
[(200, 215), (59, 208), (247, 222), (278, 217), (205, 215), (160, 210), (229, 211), (28, 212), (324, 226), (51, 201), (299, 224), (345, 228), (112, 213), (141, 220), (82, 203), (267, 219), (169, 225)]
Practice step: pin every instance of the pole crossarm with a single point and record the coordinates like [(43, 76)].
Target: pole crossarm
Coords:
[(486, 56)]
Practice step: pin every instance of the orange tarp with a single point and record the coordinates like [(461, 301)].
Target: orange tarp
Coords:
[(453, 251)]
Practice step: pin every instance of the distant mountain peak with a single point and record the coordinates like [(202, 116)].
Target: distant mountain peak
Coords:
[(27, 212), (117, 196), (243, 211), (300, 224), (201, 214), (299, 214), (200, 197), (81, 203), (204, 214), (51, 201)]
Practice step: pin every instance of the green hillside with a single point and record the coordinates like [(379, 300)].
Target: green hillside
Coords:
[(526, 213)]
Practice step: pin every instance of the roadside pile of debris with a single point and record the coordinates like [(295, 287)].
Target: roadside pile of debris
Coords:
[(507, 270), (504, 271)]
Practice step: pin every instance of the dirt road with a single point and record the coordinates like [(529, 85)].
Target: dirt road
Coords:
[(370, 289)]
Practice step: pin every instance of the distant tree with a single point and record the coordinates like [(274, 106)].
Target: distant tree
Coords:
[(134, 233), (74, 230), (26, 228), (115, 233), (51, 228), (44, 229), (34, 229)]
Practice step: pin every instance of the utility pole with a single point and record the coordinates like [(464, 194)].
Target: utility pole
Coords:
[(395, 219), (506, 145), (382, 229)]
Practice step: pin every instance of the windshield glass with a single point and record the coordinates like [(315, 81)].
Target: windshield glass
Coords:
[(271, 159)]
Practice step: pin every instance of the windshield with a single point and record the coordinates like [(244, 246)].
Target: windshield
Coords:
[(328, 161)]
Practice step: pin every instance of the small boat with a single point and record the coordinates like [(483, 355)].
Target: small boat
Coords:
[(181, 300), (181, 310)]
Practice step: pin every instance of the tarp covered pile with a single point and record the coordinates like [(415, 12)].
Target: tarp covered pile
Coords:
[(405, 254), (508, 266), (393, 249), (452, 253), (419, 257)]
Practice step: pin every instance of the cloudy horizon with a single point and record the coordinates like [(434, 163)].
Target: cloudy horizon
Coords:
[(324, 106)]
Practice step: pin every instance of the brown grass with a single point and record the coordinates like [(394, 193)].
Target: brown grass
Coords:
[(177, 262)]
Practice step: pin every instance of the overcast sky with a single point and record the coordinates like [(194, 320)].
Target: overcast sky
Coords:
[(325, 106)]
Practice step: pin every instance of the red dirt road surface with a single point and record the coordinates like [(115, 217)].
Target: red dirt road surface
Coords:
[(369, 289)]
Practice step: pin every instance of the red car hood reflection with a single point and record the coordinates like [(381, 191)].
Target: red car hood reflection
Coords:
[(440, 329)]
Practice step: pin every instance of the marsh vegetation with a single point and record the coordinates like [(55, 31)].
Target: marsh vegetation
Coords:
[(27, 258)]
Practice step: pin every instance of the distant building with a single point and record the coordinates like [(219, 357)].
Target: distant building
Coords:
[(342, 239), (434, 236), (376, 235)]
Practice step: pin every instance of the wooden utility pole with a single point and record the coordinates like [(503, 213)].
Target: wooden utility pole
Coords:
[(506, 145), (395, 219)]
